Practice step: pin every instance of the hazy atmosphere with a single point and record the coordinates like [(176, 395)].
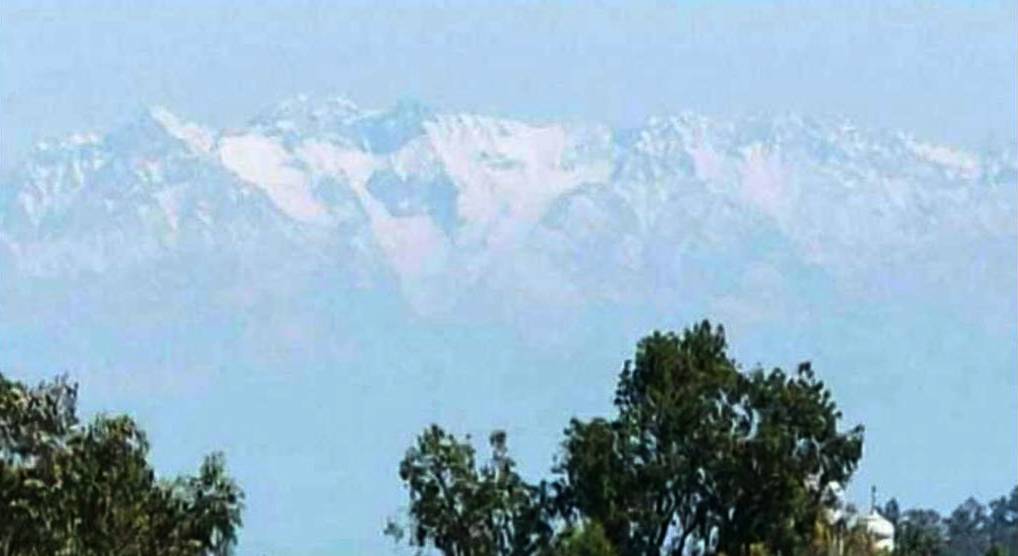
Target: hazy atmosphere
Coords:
[(300, 232), (940, 69)]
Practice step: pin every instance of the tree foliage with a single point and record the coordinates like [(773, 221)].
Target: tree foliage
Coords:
[(972, 529), (702, 455), (587, 539), (1003, 523), (841, 537), (465, 510), (83, 489), (968, 529), (920, 533)]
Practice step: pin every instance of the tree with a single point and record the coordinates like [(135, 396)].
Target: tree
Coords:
[(773, 487), (87, 489), (996, 550), (699, 458), (640, 474), (971, 529), (920, 533), (701, 455), (892, 511), (1003, 523), (463, 510), (586, 540), (968, 530)]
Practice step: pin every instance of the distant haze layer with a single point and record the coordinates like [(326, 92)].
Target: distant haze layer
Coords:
[(310, 289)]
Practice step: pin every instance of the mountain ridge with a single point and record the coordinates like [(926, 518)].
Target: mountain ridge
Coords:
[(437, 197), (309, 288)]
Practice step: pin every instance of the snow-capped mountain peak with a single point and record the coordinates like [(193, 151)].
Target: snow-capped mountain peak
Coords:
[(201, 139), (445, 197)]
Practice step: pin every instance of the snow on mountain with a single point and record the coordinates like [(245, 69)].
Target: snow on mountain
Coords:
[(449, 203), (265, 164), (198, 138)]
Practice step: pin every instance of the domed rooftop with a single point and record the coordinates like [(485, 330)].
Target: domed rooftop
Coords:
[(877, 525), (881, 529)]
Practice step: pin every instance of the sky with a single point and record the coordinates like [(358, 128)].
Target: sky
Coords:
[(944, 70)]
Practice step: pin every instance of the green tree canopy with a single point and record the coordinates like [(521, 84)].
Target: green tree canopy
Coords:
[(701, 454), (1003, 523), (699, 457), (84, 489), (587, 539), (968, 529), (465, 510), (920, 533), (972, 529)]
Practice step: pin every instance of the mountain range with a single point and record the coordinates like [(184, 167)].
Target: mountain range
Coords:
[(430, 265), (444, 203)]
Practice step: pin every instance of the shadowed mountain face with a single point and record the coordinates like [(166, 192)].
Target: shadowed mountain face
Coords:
[(369, 271)]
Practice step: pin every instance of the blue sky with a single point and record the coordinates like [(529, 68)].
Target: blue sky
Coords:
[(942, 69)]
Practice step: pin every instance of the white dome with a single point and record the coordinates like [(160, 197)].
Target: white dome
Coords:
[(878, 525), (881, 529)]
